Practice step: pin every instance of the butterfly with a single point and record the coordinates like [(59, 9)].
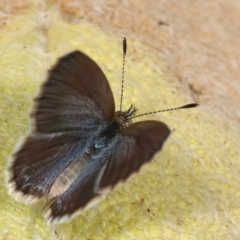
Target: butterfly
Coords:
[(79, 147)]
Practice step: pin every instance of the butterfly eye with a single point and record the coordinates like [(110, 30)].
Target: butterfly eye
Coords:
[(124, 118)]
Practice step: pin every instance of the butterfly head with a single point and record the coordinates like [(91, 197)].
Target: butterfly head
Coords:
[(124, 118)]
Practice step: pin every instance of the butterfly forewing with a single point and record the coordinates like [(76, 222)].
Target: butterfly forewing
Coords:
[(133, 148), (75, 97)]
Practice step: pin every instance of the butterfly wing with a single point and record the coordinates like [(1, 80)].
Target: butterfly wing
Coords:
[(124, 156), (135, 147), (40, 160), (75, 97), (74, 104)]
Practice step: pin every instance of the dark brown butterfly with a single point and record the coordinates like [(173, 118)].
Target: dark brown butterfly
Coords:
[(80, 147)]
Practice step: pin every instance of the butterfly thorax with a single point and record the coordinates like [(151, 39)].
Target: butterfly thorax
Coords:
[(107, 134), (104, 138), (124, 118)]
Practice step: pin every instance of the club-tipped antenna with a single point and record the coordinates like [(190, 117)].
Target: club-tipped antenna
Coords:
[(123, 65), (191, 105)]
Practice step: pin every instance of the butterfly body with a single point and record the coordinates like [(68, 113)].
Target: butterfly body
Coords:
[(79, 146), (105, 137)]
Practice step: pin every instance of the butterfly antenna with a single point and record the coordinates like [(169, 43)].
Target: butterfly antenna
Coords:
[(123, 65), (191, 105)]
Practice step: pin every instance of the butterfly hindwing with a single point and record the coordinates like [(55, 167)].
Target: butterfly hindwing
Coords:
[(40, 160)]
